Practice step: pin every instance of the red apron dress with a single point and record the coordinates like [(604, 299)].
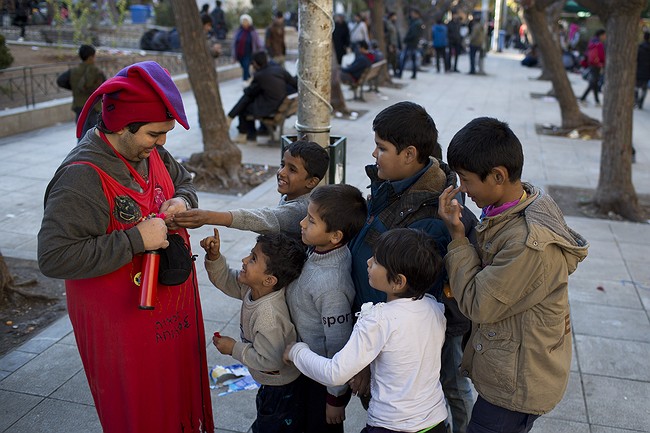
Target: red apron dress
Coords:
[(147, 369)]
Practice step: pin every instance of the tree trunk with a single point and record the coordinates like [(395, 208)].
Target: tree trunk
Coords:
[(6, 279), (337, 99), (572, 117), (615, 191), (220, 161), (552, 17), (377, 19)]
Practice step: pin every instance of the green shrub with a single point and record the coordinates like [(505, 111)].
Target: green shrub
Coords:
[(164, 14), (6, 59)]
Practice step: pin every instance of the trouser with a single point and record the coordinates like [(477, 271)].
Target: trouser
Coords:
[(21, 22), (408, 53), (594, 78), (242, 110), (441, 54), (392, 58), (454, 49), (245, 63), (490, 418), (457, 388), (315, 398), (473, 51), (279, 409), (640, 92)]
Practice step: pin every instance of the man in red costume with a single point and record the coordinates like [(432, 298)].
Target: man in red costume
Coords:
[(147, 369)]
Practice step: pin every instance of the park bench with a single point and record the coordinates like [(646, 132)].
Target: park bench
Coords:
[(275, 123), (370, 77)]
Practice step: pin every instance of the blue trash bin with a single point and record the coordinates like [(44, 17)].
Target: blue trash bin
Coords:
[(139, 14), (501, 42)]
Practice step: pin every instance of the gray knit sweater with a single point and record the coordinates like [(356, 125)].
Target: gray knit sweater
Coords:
[(320, 302), (265, 325), (285, 217)]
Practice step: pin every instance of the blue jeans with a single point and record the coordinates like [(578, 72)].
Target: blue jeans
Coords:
[(245, 63), (457, 388), (490, 418), (406, 54), (279, 409), (472, 58)]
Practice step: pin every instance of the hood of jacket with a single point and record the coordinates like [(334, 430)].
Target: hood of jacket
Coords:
[(546, 226)]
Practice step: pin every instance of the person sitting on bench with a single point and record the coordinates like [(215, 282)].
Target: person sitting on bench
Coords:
[(271, 84), (352, 73)]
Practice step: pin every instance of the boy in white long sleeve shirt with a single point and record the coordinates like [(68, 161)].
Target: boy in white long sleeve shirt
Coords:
[(405, 365)]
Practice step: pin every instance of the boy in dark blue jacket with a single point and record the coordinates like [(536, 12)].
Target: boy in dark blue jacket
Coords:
[(406, 181)]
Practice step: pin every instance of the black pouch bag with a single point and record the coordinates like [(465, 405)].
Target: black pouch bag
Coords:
[(175, 262), (63, 80)]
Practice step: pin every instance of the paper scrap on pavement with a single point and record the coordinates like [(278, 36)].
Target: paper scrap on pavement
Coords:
[(231, 378)]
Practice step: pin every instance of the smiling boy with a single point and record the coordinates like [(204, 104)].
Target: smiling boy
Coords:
[(265, 324), (304, 164), (514, 287), (320, 300)]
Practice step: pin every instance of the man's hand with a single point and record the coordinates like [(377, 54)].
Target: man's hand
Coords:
[(334, 414), (212, 246), (224, 344), (154, 233), (172, 207), (449, 210), (360, 382)]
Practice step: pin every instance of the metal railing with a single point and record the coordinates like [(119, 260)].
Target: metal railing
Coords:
[(30, 85)]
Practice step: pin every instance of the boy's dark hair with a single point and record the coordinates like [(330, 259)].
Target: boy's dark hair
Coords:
[(279, 14), (412, 253), (341, 207), (408, 124), (600, 32), (85, 51), (314, 157), (260, 59), (483, 144), (362, 44), (285, 257)]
